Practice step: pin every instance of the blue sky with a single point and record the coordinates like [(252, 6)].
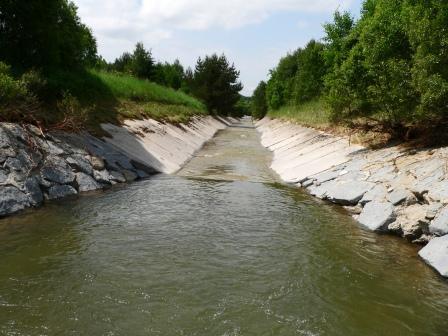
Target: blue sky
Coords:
[(253, 34)]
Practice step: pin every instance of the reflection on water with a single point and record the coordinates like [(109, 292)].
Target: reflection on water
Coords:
[(202, 254)]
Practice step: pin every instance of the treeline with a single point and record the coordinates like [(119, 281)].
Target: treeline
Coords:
[(50, 70), (390, 66), (214, 80)]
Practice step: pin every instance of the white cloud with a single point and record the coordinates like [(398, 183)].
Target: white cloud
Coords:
[(154, 20), (119, 24)]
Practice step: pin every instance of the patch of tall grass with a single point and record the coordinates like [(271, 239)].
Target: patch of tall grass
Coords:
[(134, 89), (313, 114)]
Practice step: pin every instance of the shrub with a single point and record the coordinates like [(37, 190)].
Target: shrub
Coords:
[(17, 103)]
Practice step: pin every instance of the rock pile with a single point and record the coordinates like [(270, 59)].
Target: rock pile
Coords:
[(35, 167)]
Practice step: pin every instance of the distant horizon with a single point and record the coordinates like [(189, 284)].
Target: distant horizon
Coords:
[(253, 36)]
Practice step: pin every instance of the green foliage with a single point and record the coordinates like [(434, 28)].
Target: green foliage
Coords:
[(313, 113), (123, 63), (259, 106), (171, 75), (298, 77), (390, 66), (142, 63), (426, 23), (44, 34), (311, 70), (280, 87), (17, 101), (139, 64), (242, 107), (338, 39), (215, 82), (131, 88)]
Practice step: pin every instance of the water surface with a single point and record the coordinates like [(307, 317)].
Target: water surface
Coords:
[(220, 249)]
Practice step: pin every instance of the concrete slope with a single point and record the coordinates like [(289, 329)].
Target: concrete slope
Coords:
[(300, 152), (165, 147)]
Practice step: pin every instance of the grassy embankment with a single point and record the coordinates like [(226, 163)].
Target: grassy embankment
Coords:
[(85, 99), (111, 97), (312, 114), (316, 114)]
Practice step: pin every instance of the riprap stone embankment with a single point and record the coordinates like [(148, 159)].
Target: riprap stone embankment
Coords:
[(35, 167), (391, 189)]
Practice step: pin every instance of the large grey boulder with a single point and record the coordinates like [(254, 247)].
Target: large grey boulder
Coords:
[(96, 162), (57, 174), (14, 164), (80, 163), (3, 177), (325, 176), (439, 226), (60, 191), (435, 253), (320, 191), (103, 176), (399, 196), (432, 210), (412, 221), (6, 153), (32, 189), (12, 200), (377, 193), (377, 215), (86, 182), (5, 140), (117, 176), (349, 192)]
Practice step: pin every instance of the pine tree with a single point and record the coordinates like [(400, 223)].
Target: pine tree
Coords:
[(216, 83)]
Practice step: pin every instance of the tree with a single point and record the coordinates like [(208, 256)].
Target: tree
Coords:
[(123, 63), (259, 106), (216, 83), (426, 24), (142, 63), (44, 34), (375, 78), (337, 39), (311, 70), (171, 75), (280, 86)]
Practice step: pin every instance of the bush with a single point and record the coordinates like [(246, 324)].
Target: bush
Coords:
[(17, 102)]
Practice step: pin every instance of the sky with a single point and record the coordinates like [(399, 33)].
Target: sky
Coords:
[(253, 34)]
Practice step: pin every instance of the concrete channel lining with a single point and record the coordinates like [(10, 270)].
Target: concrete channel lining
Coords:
[(165, 147)]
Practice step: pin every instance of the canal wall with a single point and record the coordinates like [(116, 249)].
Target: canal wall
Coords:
[(35, 167), (394, 189)]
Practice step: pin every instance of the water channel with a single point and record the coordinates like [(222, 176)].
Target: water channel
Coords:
[(221, 248)]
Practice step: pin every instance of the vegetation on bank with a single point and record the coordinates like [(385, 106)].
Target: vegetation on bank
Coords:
[(389, 69), (51, 75)]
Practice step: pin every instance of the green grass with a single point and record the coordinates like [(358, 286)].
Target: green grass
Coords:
[(97, 97), (159, 111), (131, 88), (313, 114)]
